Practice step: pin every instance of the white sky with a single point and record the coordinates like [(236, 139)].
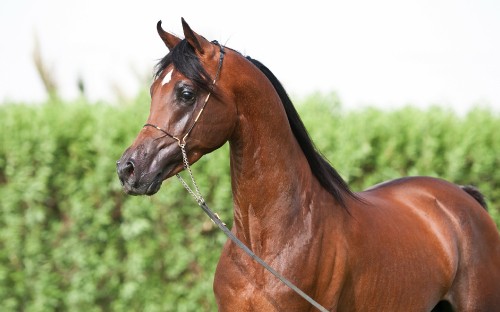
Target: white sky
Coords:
[(385, 53)]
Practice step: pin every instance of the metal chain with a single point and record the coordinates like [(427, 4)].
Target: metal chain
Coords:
[(196, 193)]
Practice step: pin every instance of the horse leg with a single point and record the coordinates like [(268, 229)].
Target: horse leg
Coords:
[(484, 296), (477, 284)]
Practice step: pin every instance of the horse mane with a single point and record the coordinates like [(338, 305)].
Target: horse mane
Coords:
[(327, 176), (185, 60)]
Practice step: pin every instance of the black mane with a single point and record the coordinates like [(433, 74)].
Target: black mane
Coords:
[(185, 60), (327, 176)]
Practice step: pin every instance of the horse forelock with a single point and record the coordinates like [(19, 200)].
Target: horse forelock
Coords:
[(185, 60)]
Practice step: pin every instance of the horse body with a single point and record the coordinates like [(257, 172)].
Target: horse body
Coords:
[(410, 244), (391, 254)]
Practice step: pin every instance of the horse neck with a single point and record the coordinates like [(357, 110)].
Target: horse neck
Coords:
[(269, 172)]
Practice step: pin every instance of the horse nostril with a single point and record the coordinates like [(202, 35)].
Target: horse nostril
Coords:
[(129, 168), (125, 170)]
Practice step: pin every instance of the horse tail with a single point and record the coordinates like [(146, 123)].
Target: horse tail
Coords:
[(476, 194)]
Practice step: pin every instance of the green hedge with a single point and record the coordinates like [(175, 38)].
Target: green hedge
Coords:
[(70, 240)]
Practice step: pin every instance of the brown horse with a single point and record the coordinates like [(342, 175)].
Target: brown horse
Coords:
[(412, 244)]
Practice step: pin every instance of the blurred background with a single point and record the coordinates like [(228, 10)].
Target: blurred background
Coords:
[(399, 88), (386, 53)]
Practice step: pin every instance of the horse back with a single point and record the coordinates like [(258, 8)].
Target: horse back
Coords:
[(461, 204), (432, 201)]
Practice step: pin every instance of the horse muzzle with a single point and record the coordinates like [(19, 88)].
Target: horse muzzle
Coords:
[(142, 168), (135, 183)]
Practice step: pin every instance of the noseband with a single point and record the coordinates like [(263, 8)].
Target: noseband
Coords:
[(182, 141)]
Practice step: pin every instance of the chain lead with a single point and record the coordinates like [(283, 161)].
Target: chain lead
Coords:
[(196, 193)]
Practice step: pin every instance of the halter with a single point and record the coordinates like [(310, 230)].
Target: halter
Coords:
[(201, 201)]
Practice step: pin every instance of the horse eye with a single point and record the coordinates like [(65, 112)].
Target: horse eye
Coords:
[(186, 95)]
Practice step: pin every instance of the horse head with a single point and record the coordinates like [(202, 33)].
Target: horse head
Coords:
[(189, 79)]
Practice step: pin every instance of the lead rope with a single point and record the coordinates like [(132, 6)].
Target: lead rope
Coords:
[(216, 219)]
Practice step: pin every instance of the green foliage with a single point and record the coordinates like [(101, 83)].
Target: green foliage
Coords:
[(70, 240)]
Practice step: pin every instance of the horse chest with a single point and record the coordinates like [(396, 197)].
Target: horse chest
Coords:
[(243, 285)]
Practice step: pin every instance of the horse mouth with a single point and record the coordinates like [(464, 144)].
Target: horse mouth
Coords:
[(146, 189), (152, 187)]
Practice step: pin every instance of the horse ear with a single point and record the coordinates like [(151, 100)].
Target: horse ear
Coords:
[(170, 40), (199, 43)]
